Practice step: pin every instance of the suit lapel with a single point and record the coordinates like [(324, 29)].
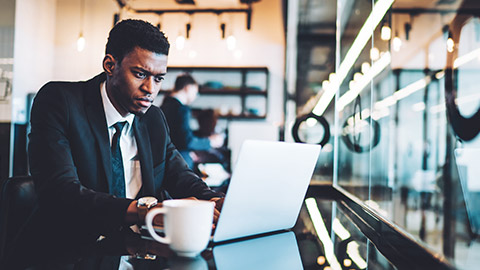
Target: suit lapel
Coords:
[(145, 156), (98, 123)]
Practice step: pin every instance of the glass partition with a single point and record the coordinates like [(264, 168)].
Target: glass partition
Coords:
[(404, 106)]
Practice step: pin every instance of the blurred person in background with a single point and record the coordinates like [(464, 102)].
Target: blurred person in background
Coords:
[(178, 113)]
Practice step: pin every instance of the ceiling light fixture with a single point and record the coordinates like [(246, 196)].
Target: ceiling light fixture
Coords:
[(383, 105), (386, 32), (222, 29), (365, 67), (159, 22), (363, 81), (188, 26), (408, 27), (180, 42), (81, 38), (231, 42), (374, 54), (396, 43), (445, 31), (365, 33), (450, 45), (247, 11), (80, 42), (231, 39)]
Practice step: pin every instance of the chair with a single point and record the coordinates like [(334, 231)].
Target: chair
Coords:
[(18, 201)]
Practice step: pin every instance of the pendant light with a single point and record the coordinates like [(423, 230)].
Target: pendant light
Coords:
[(81, 38)]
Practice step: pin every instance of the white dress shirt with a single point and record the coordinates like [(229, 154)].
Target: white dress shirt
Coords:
[(128, 145)]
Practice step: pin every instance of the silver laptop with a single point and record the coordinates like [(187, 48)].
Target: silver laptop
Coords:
[(267, 188)]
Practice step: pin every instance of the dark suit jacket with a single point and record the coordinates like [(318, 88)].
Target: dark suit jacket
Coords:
[(178, 119), (70, 160)]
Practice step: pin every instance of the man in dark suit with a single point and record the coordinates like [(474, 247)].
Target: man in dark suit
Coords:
[(178, 114), (98, 148)]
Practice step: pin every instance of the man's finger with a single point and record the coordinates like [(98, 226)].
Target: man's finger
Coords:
[(216, 214)]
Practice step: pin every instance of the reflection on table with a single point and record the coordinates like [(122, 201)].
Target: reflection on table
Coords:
[(317, 241), (275, 252)]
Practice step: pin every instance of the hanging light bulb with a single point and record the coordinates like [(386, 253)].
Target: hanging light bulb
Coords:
[(450, 45), (386, 32), (231, 39), (365, 67), (80, 42), (81, 39), (445, 31), (231, 42), (396, 43), (188, 27), (180, 42), (357, 76), (222, 29), (352, 84), (325, 84), (332, 77), (374, 54), (408, 27)]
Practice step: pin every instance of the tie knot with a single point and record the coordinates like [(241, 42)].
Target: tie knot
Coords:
[(119, 126)]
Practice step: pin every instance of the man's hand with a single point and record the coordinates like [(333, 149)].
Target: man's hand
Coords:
[(218, 203), (158, 219), (216, 211), (132, 216)]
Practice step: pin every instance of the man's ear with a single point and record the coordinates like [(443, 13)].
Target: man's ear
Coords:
[(109, 63)]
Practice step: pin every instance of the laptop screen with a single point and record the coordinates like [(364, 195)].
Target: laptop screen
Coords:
[(267, 188)]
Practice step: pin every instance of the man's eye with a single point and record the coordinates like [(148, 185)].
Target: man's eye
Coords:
[(158, 79), (140, 75)]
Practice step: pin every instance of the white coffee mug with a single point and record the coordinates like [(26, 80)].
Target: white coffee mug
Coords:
[(187, 224)]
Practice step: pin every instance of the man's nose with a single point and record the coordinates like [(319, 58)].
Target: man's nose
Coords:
[(148, 85)]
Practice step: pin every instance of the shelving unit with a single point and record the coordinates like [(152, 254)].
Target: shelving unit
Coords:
[(235, 92)]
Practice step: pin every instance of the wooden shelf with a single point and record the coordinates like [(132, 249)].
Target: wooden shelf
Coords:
[(205, 68), (233, 116), (224, 91), (248, 84), (242, 116)]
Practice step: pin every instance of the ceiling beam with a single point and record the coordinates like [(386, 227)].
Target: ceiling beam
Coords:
[(415, 11)]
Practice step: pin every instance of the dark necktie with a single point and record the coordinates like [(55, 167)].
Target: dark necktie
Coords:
[(117, 187)]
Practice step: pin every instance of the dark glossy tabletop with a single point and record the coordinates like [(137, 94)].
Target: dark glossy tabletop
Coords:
[(309, 245)]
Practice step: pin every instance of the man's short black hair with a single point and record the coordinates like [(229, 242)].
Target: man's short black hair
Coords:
[(128, 34), (182, 81)]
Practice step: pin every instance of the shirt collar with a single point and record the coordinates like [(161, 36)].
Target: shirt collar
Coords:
[(111, 114), (180, 97)]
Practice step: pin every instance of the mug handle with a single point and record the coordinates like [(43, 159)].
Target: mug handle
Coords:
[(149, 222)]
